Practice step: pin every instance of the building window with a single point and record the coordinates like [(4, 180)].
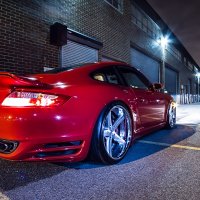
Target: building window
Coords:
[(185, 61), (144, 22), (174, 52), (195, 70), (190, 66), (117, 4)]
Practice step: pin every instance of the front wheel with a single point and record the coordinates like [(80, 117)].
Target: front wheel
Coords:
[(171, 116), (112, 135)]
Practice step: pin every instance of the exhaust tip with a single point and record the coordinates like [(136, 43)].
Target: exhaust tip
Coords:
[(7, 146)]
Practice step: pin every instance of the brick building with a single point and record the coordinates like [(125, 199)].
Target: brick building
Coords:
[(122, 30)]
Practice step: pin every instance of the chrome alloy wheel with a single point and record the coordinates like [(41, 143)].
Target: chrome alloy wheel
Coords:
[(172, 116), (116, 132)]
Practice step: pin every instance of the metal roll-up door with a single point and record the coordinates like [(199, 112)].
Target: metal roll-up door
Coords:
[(107, 59), (148, 66), (171, 78), (75, 53)]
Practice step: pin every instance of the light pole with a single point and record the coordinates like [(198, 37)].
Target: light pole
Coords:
[(163, 42)]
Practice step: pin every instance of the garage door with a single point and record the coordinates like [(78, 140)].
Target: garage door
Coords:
[(148, 66), (75, 53), (171, 78), (107, 59)]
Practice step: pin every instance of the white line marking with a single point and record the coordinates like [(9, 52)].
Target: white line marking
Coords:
[(170, 145)]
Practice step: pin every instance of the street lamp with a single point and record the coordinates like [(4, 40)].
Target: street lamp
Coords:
[(198, 76), (163, 42)]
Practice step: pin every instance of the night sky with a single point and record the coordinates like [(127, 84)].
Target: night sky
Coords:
[(183, 18)]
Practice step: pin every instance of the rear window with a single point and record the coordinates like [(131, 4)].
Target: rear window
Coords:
[(62, 69)]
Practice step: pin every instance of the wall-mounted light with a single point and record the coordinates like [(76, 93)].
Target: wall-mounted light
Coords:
[(197, 74), (163, 42)]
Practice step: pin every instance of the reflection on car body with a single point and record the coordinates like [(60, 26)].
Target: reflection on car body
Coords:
[(99, 109)]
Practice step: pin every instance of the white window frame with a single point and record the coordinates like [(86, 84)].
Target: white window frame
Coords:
[(119, 3)]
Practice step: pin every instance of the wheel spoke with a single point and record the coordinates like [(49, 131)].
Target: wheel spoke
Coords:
[(118, 139), (109, 144), (117, 122), (109, 120)]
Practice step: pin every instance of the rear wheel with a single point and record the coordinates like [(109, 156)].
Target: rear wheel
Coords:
[(171, 116), (112, 135)]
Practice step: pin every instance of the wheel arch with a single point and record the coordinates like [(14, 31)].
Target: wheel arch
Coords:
[(110, 104), (98, 125)]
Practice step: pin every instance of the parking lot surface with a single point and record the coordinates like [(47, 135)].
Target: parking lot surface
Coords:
[(162, 165)]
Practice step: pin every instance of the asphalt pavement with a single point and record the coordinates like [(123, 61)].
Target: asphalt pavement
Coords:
[(162, 165)]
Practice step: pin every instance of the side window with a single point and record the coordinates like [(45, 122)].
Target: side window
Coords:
[(133, 79), (112, 78), (99, 77), (106, 75)]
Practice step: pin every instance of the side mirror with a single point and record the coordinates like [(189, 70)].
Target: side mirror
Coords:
[(156, 86)]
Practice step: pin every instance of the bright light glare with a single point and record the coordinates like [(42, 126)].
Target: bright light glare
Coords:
[(174, 104), (60, 85), (163, 41), (16, 102), (198, 75), (58, 117)]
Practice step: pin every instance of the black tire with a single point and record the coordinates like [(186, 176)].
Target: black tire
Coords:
[(112, 134), (171, 116)]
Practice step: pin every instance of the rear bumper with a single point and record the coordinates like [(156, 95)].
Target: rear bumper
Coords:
[(72, 149), (46, 134)]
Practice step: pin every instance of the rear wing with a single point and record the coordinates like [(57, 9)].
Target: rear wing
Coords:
[(11, 80)]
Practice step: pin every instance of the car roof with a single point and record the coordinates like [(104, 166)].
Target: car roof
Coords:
[(85, 66), (81, 72)]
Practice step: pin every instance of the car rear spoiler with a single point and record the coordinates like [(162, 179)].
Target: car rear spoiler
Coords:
[(11, 80)]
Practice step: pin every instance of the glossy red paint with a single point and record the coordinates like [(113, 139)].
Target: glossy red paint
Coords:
[(64, 132)]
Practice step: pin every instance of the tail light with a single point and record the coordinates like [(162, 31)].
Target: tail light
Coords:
[(33, 99)]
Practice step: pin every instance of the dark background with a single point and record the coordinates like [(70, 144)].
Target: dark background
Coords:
[(183, 18)]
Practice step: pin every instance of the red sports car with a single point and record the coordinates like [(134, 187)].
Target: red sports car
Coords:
[(66, 114)]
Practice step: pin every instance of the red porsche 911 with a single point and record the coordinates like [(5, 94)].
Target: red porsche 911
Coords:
[(66, 114)]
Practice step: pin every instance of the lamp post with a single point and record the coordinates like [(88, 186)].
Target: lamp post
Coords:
[(163, 42)]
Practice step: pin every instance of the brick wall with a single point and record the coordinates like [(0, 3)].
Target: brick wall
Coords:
[(24, 30), (24, 43)]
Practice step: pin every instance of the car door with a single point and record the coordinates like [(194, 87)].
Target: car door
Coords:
[(150, 104)]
